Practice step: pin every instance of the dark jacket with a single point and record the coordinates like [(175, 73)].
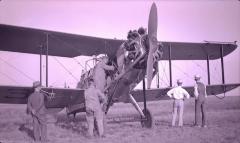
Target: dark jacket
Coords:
[(201, 91), (36, 102)]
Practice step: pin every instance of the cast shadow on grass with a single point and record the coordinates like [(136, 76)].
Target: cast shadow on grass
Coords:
[(76, 125), (169, 124), (28, 131)]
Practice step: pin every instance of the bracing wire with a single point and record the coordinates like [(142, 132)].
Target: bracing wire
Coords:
[(224, 94), (10, 78), (201, 67), (78, 63), (15, 56), (186, 74), (18, 70), (161, 79), (164, 72), (217, 74), (70, 73)]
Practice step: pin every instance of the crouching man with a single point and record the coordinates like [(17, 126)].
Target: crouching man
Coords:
[(93, 99), (37, 109)]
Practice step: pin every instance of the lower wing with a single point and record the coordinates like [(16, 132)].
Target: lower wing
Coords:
[(160, 93)]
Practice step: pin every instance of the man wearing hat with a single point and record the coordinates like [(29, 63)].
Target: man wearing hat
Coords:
[(178, 94), (101, 79), (99, 74), (93, 99), (36, 107), (200, 97)]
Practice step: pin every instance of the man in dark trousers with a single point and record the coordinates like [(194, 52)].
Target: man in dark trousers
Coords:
[(200, 102), (37, 109)]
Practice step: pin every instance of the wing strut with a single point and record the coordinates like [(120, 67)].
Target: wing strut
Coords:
[(144, 97), (44, 47), (47, 36), (157, 75), (41, 52), (208, 70), (170, 63), (222, 64), (147, 120)]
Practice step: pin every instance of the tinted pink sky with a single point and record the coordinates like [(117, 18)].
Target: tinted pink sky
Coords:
[(185, 21)]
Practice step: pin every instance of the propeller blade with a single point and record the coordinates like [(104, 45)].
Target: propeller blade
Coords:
[(152, 39)]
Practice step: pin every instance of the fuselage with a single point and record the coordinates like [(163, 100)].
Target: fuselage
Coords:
[(131, 68)]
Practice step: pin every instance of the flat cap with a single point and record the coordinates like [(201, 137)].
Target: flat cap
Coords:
[(36, 84), (197, 77)]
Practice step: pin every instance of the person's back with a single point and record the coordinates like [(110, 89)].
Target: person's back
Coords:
[(99, 74), (201, 91), (92, 99), (93, 96), (178, 94)]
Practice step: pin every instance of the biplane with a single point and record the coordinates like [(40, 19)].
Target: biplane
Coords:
[(140, 51)]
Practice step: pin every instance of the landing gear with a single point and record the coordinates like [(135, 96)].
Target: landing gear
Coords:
[(147, 121), (146, 116), (71, 116)]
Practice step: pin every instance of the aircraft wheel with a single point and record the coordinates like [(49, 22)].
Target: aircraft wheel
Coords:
[(148, 121), (71, 117)]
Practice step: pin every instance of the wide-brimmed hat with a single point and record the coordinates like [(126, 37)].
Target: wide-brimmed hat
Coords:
[(36, 84)]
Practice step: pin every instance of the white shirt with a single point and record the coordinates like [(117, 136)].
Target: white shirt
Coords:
[(178, 93), (195, 91)]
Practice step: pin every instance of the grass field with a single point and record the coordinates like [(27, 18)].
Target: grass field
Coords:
[(223, 120)]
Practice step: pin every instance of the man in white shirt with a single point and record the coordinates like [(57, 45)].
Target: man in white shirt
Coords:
[(178, 94)]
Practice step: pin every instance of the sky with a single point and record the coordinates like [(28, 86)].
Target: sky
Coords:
[(178, 20)]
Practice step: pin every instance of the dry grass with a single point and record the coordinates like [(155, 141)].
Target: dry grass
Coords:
[(223, 125)]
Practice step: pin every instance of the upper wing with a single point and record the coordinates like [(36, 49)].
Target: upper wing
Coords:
[(56, 97), (160, 93), (29, 40), (196, 51)]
